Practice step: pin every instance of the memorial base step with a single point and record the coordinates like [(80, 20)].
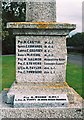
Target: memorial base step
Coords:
[(39, 89)]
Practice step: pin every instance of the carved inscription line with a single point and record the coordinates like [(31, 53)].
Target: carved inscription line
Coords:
[(40, 98)]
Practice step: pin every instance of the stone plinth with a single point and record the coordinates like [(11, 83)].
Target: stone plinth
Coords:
[(38, 88), (50, 85), (74, 109), (41, 51), (41, 57)]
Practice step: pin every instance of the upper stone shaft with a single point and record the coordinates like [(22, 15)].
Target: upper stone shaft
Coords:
[(41, 10)]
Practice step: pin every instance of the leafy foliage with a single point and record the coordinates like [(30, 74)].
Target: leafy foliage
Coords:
[(76, 43), (11, 12), (76, 40)]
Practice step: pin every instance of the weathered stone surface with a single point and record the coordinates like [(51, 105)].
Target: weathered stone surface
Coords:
[(41, 10), (46, 113), (50, 37), (55, 72), (47, 88), (42, 57), (40, 28), (74, 110), (41, 25), (52, 32), (38, 88)]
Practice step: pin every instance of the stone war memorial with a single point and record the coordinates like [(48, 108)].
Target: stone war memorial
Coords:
[(40, 89)]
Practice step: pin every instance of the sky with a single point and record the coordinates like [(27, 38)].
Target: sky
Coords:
[(70, 11)]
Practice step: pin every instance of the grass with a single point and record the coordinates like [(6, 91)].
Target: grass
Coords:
[(73, 74), (8, 71)]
